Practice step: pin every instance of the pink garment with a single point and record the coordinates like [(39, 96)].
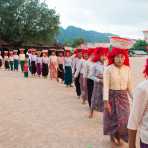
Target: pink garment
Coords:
[(26, 67)]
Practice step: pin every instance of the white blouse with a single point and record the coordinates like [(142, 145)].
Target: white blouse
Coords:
[(45, 60), (139, 113), (67, 61), (33, 58), (39, 60), (115, 78), (15, 57), (87, 69), (78, 67), (96, 73), (22, 57), (11, 58)]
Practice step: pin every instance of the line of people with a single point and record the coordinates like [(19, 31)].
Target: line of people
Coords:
[(104, 78)]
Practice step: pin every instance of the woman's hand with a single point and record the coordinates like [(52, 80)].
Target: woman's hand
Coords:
[(107, 106)]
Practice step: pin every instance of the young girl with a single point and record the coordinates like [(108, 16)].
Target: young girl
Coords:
[(26, 68), (6, 60), (67, 69), (53, 65), (60, 72), (22, 58), (97, 75), (45, 62), (33, 62), (16, 60), (11, 60), (39, 63)]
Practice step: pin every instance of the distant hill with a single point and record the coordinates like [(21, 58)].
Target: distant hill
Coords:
[(71, 33)]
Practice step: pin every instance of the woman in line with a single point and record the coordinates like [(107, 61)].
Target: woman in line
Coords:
[(100, 61), (83, 80), (45, 62), (53, 65), (16, 60), (6, 60), (39, 64), (33, 62), (22, 59), (1, 60), (87, 74), (60, 71), (139, 114), (67, 69), (11, 60), (117, 85)]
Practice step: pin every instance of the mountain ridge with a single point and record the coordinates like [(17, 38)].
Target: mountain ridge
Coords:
[(71, 33)]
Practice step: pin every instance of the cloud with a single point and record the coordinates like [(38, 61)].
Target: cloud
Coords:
[(126, 17)]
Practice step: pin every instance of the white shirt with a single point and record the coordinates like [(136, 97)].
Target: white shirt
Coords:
[(87, 69), (22, 57), (11, 58), (96, 73), (78, 67), (33, 58), (139, 113), (45, 60), (39, 60), (82, 66), (68, 61), (115, 78), (15, 57)]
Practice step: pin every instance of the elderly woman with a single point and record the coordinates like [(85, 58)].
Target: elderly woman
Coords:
[(139, 114), (117, 85)]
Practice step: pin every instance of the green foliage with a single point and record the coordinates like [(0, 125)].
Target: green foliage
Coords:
[(140, 45), (27, 21), (78, 42)]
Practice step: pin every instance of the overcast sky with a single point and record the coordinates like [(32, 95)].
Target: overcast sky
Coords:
[(126, 18)]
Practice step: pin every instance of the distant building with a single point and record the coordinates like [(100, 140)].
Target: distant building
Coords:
[(145, 35)]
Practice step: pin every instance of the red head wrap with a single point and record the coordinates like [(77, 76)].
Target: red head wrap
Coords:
[(116, 51), (146, 69), (99, 52)]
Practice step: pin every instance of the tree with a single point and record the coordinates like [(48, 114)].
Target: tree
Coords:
[(140, 45), (77, 42), (27, 21)]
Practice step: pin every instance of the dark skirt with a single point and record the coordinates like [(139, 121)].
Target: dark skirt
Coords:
[(90, 86), (97, 97), (143, 145), (16, 63), (22, 65), (33, 67), (25, 74), (39, 68), (11, 65), (68, 75), (45, 70), (82, 85), (61, 71), (7, 65), (116, 121), (1, 63), (85, 95)]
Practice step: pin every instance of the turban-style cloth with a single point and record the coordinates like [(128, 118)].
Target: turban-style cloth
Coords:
[(146, 69), (77, 51), (100, 51), (84, 52), (90, 51), (67, 53), (117, 51)]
